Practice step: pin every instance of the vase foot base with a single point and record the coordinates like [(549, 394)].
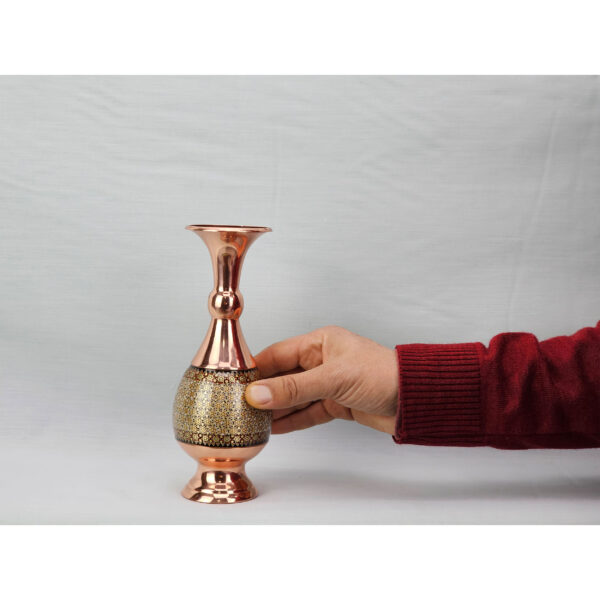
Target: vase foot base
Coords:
[(221, 476), (219, 487)]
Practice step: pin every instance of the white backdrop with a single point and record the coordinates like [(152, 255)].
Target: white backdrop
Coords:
[(407, 209)]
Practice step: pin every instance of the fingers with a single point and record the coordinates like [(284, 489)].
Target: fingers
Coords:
[(284, 412), (317, 413), (314, 414), (291, 390), (300, 351)]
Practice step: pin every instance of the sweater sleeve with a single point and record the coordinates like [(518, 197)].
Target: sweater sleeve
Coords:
[(517, 393)]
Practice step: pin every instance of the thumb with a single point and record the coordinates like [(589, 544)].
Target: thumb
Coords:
[(290, 390)]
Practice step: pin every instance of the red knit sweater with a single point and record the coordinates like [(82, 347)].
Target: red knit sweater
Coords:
[(517, 393)]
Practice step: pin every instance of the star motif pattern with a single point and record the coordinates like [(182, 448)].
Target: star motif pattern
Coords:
[(210, 410)]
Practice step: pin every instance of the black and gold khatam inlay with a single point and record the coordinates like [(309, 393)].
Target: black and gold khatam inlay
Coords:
[(210, 410)]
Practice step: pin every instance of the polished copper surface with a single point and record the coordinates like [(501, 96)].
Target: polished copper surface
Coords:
[(233, 228), (224, 346), (212, 421), (221, 476)]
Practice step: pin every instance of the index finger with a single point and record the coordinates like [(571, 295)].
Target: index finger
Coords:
[(300, 351)]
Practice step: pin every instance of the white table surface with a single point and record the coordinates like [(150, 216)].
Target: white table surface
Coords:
[(334, 474)]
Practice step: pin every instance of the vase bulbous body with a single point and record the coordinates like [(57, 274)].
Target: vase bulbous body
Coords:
[(213, 423)]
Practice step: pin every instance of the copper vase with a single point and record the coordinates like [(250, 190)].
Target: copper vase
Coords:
[(213, 422)]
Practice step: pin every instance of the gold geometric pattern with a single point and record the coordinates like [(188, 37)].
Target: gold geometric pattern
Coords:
[(210, 410)]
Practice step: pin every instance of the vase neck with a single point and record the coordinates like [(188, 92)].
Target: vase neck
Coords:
[(224, 347)]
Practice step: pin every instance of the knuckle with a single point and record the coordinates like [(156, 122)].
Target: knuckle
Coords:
[(290, 389)]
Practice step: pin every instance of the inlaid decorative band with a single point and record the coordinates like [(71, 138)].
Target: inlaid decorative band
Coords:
[(210, 410)]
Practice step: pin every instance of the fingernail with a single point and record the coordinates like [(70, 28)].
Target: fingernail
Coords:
[(259, 394)]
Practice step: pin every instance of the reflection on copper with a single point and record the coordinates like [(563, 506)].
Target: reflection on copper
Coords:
[(224, 346), (221, 476), (211, 418)]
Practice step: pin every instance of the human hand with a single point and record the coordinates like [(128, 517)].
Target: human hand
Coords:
[(327, 374)]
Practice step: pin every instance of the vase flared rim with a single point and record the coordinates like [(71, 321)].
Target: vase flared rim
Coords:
[(235, 228)]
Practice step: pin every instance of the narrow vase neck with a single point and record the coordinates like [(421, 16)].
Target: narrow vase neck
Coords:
[(224, 347)]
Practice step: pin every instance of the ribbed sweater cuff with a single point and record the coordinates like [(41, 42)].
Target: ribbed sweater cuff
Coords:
[(439, 395)]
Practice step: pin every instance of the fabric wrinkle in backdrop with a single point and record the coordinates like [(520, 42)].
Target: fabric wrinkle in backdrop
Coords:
[(407, 209)]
